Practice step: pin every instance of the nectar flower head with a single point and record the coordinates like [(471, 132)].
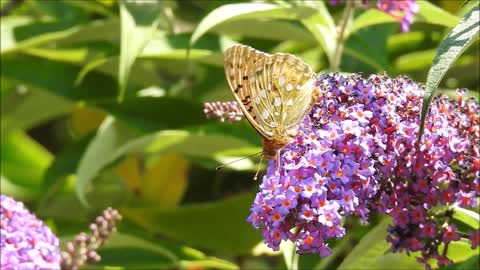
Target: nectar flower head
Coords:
[(25, 242), (357, 152), (401, 10)]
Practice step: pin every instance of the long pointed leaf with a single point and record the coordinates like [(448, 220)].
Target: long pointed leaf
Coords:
[(232, 12), (454, 44), (139, 21)]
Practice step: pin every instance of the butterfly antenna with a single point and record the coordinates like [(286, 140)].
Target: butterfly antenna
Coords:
[(258, 169), (223, 165)]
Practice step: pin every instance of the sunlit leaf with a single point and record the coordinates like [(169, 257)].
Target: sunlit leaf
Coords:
[(122, 240), (110, 142), (428, 13), (165, 181), (372, 253), (322, 27), (232, 12), (468, 217), (18, 152), (432, 14), (139, 20)]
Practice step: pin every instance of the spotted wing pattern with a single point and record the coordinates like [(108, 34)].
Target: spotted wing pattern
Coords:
[(274, 91)]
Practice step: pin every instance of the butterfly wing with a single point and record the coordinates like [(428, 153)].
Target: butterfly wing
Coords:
[(273, 91)]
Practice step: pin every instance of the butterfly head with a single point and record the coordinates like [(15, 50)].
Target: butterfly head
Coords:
[(271, 148)]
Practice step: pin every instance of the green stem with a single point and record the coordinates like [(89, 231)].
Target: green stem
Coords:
[(295, 259), (345, 22)]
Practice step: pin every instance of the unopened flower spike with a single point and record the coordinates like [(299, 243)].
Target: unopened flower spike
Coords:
[(82, 250), (223, 110)]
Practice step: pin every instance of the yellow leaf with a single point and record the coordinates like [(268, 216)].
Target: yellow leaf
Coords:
[(85, 119), (129, 171), (165, 181)]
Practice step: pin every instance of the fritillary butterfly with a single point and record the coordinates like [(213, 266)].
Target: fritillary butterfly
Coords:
[(273, 91)]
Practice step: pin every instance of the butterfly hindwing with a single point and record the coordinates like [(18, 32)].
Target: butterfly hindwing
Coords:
[(273, 91)]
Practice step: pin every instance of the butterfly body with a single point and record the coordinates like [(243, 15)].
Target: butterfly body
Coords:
[(274, 93)]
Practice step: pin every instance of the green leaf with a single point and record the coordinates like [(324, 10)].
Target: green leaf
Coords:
[(460, 251), (468, 217), (322, 26), (57, 77), (111, 141), (146, 113), (123, 240), (372, 253), (471, 263), (174, 47), (369, 18), (149, 114), (359, 45), (209, 263), (416, 60), (230, 233), (23, 32), (271, 29), (26, 108), (139, 21), (454, 44), (432, 14), (16, 191), (66, 162), (18, 152), (242, 11), (428, 13)]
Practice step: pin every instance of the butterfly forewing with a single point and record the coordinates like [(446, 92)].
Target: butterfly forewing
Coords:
[(274, 91)]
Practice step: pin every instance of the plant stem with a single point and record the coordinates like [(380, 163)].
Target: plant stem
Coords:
[(295, 258), (345, 22)]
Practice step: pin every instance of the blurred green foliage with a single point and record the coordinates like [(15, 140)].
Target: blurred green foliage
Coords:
[(101, 105)]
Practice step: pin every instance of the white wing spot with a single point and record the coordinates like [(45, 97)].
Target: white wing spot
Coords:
[(263, 94), (265, 114), (299, 87), (289, 87), (269, 86), (277, 101), (259, 68), (281, 81), (268, 62), (289, 102), (275, 113), (256, 100)]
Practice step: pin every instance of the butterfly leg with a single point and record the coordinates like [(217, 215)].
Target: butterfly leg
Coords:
[(258, 169), (277, 166)]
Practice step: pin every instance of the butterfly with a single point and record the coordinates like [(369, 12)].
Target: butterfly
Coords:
[(274, 93)]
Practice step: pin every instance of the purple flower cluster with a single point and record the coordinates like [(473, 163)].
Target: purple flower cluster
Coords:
[(357, 152), (25, 242), (442, 171), (402, 10)]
